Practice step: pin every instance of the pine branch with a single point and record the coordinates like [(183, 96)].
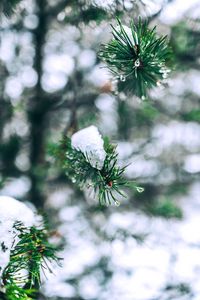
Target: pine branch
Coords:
[(136, 57), (28, 258), (107, 183)]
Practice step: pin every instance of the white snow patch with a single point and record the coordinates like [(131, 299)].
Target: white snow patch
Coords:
[(11, 211), (176, 10), (108, 114), (140, 167), (90, 143), (86, 59), (124, 149), (16, 187), (175, 133), (192, 163), (103, 3), (59, 63), (99, 76), (128, 32)]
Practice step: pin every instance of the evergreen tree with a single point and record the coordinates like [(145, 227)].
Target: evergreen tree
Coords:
[(67, 68)]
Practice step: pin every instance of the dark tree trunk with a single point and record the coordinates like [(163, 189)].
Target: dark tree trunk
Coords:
[(37, 114)]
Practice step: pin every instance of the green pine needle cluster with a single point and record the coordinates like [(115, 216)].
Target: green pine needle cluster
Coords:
[(15, 292), (31, 256), (138, 61), (107, 183)]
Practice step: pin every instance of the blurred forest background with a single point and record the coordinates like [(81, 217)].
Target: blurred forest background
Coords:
[(52, 82)]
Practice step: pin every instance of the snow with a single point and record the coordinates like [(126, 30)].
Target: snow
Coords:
[(176, 10), (87, 59), (99, 76), (90, 143), (169, 255), (108, 118), (192, 163), (11, 211), (128, 32), (167, 241), (16, 187), (57, 69), (112, 4), (103, 3), (181, 133), (59, 63)]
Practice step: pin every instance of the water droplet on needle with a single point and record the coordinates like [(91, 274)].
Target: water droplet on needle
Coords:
[(139, 189), (137, 63), (122, 78)]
